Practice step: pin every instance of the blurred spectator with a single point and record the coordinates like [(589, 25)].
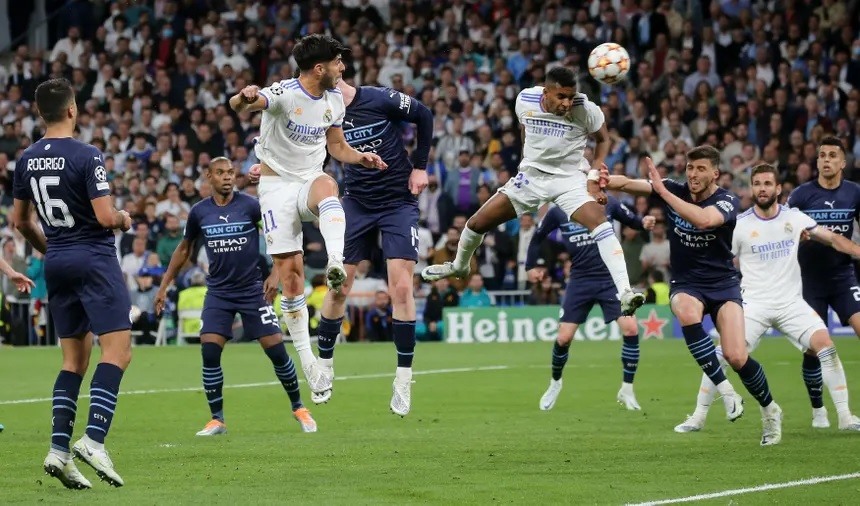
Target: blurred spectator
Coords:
[(632, 245), (378, 319), (655, 254), (170, 240), (442, 295), (365, 285), (475, 294), (315, 300), (658, 289)]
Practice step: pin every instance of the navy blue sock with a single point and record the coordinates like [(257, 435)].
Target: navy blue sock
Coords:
[(559, 359), (814, 382), (285, 370), (702, 348), (630, 357), (104, 392), (65, 407), (213, 379), (404, 342), (328, 331), (753, 377)]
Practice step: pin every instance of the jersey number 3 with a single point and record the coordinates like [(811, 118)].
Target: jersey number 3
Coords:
[(46, 206)]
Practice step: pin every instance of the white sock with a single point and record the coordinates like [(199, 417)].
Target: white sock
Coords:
[(612, 255), (64, 456), (469, 242), (707, 394), (95, 445), (332, 226), (834, 378), (296, 313), (403, 373)]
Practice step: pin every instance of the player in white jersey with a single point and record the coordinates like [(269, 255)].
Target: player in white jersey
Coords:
[(765, 242), (301, 118), (556, 123)]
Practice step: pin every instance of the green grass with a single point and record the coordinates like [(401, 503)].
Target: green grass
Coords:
[(472, 437)]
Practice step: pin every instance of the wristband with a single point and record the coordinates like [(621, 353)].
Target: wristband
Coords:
[(594, 175)]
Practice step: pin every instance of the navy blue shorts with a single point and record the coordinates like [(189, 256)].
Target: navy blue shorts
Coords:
[(258, 316), (581, 295), (86, 292), (398, 225), (842, 295), (712, 297)]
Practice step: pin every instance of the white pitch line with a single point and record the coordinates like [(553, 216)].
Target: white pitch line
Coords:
[(760, 488), (270, 383)]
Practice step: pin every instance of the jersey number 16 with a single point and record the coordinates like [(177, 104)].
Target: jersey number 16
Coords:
[(46, 206)]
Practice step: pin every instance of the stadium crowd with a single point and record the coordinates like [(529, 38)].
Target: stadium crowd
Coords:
[(761, 80)]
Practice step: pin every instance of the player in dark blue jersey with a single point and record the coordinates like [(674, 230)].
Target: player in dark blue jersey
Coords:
[(828, 276), (705, 280), (381, 202), (66, 182), (589, 283), (227, 223)]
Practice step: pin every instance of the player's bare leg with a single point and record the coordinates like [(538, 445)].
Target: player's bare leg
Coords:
[(285, 371), (630, 361), (104, 392), (730, 324), (689, 311), (211, 348), (493, 213), (291, 272), (59, 462), (593, 217), (400, 287), (566, 331), (834, 378), (324, 202), (331, 321)]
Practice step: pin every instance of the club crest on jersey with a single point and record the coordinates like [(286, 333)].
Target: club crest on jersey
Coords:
[(327, 116), (269, 240), (298, 111), (788, 228), (753, 234)]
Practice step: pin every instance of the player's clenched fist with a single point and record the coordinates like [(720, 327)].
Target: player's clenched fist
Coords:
[(254, 173), (250, 94), (372, 161)]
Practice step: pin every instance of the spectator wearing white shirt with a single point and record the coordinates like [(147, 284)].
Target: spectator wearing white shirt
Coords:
[(72, 46), (655, 254), (132, 262)]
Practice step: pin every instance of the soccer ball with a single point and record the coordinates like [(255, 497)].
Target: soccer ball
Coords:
[(608, 63)]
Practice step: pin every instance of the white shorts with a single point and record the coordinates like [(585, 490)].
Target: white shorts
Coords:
[(284, 205), (798, 321), (531, 188)]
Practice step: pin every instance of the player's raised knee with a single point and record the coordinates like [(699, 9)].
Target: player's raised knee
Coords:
[(820, 339)]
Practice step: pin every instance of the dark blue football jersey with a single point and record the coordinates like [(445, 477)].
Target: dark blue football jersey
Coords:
[(586, 259), (232, 243), (61, 176), (835, 209), (373, 124), (702, 257)]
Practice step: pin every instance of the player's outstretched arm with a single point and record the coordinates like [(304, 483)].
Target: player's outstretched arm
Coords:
[(601, 149), (699, 217), (249, 99), (627, 185), (177, 260), (22, 282), (836, 241), (344, 153), (31, 231)]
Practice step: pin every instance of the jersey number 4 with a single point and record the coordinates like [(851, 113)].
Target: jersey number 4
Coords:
[(46, 206)]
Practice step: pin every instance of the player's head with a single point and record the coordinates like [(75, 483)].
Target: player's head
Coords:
[(559, 89), (221, 175), (703, 168), (765, 185), (320, 56), (55, 99), (831, 157)]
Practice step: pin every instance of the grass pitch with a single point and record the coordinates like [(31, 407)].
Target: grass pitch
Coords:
[(475, 434)]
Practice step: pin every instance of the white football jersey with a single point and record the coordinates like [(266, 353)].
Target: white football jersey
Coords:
[(767, 252), (293, 129), (556, 144)]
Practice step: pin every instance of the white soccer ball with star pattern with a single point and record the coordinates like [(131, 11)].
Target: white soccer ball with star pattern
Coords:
[(609, 63)]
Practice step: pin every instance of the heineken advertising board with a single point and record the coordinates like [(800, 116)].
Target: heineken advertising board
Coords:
[(522, 324)]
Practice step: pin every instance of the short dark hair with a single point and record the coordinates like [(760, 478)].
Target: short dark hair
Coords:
[(831, 140), (765, 168), (705, 152), (315, 49), (52, 98), (561, 76)]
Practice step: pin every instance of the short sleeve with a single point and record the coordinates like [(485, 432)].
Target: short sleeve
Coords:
[(727, 205), (803, 220), (593, 118), (255, 211), (277, 97), (20, 190), (192, 225), (96, 175), (339, 109), (674, 187), (794, 199)]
